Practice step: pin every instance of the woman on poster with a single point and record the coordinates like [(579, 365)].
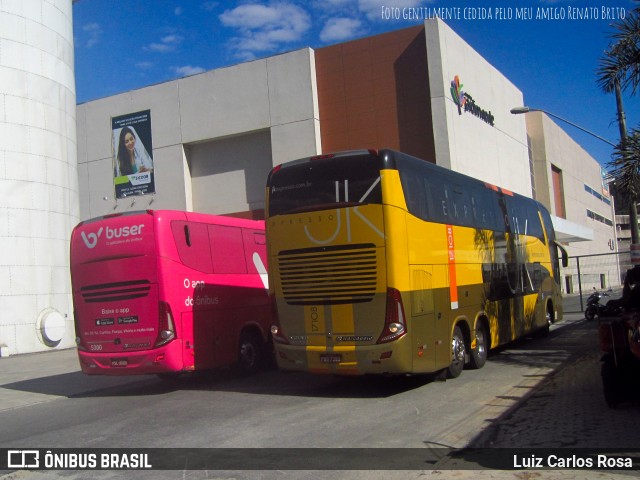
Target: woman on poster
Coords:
[(131, 155)]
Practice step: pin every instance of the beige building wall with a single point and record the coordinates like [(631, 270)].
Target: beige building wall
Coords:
[(556, 154), (215, 136), (463, 142)]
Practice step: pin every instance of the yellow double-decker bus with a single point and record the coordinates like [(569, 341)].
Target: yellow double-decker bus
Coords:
[(384, 263)]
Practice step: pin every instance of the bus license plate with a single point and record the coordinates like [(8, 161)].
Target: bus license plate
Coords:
[(330, 358), (118, 362)]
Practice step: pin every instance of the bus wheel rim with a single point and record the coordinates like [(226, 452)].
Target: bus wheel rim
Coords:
[(458, 349), (247, 354)]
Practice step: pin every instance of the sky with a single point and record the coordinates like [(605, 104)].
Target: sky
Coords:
[(549, 49)]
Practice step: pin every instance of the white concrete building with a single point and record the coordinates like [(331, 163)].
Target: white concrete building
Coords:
[(570, 183), (38, 174)]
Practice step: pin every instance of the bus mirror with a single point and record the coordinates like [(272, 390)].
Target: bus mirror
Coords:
[(564, 255)]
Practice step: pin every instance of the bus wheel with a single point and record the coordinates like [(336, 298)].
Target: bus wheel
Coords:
[(458, 354), (549, 317), (479, 354), (249, 353)]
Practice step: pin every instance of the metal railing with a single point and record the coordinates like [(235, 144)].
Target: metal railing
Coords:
[(603, 271)]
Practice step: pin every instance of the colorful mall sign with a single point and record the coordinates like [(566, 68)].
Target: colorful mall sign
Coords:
[(465, 102)]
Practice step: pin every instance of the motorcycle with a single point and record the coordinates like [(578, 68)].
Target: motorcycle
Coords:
[(594, 307)]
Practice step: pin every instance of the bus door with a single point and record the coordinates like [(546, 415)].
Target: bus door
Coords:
[(423, 326)]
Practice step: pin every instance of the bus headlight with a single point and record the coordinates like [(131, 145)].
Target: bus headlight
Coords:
[(166, 335)]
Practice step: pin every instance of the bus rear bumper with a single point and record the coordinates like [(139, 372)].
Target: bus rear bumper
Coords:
[(167, 358), (383, 359)]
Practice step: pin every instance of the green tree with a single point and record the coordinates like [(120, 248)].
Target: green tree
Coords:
[(625, 166), (619, 69), (621, 61)]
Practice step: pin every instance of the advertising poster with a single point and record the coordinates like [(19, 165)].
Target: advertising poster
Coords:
[(133, 170)]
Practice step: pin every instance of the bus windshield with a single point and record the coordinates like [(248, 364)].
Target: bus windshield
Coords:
[(351, 179)]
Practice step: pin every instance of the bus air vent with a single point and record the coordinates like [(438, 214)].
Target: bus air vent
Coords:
[(328, 275), (116, 291)]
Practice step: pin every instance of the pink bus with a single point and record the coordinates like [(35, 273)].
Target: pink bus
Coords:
[(167, 291)]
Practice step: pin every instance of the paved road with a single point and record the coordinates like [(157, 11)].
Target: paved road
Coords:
[(535, 393)]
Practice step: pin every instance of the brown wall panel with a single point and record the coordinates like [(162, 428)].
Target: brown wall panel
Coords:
[(374, 93)]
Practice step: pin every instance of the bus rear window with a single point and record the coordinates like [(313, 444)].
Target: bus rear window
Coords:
[(326, 183)]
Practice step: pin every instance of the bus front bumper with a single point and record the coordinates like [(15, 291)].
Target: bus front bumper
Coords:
[(389, 358), (165, 359)]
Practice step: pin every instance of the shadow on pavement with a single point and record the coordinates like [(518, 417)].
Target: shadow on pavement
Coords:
[(271, 382), (567, 408)]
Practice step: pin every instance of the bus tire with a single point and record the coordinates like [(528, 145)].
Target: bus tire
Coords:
[(249, 353), (458, 354), (479, 354), (546, 330)]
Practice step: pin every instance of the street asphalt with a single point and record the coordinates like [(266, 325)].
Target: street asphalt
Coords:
[(564, 409)]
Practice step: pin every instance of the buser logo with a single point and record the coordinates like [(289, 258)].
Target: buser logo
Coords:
[(91, 239)]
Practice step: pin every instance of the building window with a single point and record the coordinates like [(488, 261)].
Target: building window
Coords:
[(597, 194), (558, 192), (599, 218)]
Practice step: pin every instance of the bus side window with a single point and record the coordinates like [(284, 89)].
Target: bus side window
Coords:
[(192, 243), (523, 216), (502, 215), (227, 249), (438, 198), (533, 219), (255, 243), (411, 194), (483, 215), (478, 213), (423, 206), (445, 200), (461, 206)]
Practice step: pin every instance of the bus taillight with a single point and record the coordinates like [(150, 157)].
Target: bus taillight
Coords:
[(166, 328), (394, 321)]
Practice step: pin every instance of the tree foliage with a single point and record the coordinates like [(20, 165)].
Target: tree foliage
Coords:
[(621, 64), (625, 166), (621, 61)]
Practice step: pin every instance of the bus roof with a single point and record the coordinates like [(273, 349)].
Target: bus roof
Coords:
[(182, 215)]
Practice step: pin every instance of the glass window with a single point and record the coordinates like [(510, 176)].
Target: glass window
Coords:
[(326, 183)]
